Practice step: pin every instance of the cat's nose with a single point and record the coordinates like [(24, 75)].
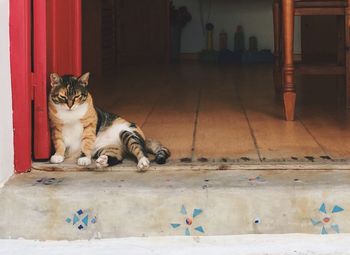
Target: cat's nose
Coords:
[(70, 104)]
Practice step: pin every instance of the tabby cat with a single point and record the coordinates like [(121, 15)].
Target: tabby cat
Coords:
[(80, 128)]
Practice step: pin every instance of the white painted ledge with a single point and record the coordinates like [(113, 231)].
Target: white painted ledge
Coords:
[(219, 245)]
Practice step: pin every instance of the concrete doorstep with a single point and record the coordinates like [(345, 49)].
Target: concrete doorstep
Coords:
[(99, 205)]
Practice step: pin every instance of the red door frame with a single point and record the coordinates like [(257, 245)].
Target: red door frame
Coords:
[(57, 48), (20, 75), (41, 133), (64, 36)]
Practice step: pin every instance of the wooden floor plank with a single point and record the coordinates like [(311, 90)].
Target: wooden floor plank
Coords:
[(131, 93), (222, 130), (276, 139), (172, 120), (237, 104), (331, 131), (323, 113)]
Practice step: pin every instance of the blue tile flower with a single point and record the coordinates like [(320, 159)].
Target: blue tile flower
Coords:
[(326, 220), (189, 221)]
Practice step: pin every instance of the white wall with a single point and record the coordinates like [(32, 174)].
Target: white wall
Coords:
[(6, 133), (254, 15)]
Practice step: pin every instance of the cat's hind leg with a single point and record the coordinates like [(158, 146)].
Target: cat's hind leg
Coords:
[(135, 144), (160, 151), (109, 156)]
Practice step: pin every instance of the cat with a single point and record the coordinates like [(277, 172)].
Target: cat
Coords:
[(79, 127)]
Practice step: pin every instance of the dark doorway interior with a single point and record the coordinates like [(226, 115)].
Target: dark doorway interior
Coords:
[(204, 111), (124, 32)]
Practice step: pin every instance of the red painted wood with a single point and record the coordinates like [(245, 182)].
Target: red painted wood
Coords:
[(57, 48), (41, 126), (78, 65), (64, 21), (20, 79)]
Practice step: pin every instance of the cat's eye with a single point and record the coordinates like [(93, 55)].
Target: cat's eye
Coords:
[(62, 98), (76, 96)]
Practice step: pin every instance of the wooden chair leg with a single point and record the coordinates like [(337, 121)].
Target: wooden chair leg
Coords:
[(289, 94), (347, 53), (277, 46)]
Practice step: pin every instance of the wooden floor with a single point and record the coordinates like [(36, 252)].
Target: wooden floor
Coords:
[(211, 113)]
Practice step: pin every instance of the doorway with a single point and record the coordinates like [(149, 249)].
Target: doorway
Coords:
[(203, 112)]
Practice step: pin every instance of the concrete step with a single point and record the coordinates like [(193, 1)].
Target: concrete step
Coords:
[(82, 205)]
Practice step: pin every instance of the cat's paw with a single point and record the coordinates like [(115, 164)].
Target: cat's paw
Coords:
[(84, 161), (143, 164), (102, 161), (56, 159)]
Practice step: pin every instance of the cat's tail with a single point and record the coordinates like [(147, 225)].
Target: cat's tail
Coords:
[(160, 151)]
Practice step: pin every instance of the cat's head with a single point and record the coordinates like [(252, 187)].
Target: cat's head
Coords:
[(69, 91)]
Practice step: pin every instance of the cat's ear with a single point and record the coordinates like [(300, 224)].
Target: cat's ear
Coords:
[(55, 79), (84, 79)]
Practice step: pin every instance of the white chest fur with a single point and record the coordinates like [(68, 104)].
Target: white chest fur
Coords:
[(72, 128)]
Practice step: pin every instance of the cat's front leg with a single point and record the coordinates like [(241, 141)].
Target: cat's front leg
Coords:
[(87, 144), (59, 145)]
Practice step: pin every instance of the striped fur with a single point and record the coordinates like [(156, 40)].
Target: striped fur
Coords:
[(156, 148), (80, 128)]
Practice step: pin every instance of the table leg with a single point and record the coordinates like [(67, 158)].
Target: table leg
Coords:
[(277, 74), (289, 94)]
